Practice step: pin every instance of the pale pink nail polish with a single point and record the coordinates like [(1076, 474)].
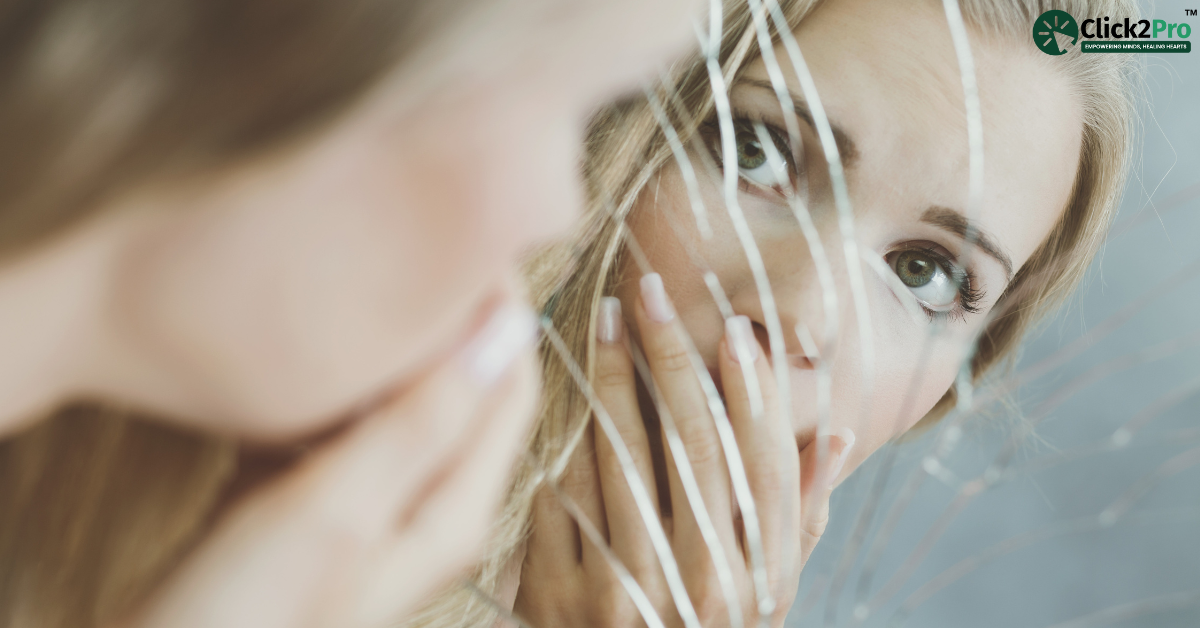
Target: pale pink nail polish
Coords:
[(739, 335), (847, 436), (608, 325), (654, 299), (510, 331)]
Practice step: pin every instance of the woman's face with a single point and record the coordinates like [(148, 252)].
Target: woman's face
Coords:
[(889, 81), (269, 299)]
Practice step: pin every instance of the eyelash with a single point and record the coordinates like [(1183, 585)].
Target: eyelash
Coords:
[(969, 297), (745, 122)]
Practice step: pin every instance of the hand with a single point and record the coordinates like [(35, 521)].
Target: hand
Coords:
[(367, 526), (566, 580)]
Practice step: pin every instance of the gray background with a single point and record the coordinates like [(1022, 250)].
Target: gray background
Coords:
[(1154, 549)]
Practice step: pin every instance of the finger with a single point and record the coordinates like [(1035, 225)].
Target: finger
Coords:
[(555, 544), (678, 387), (446, 533), (617, 391), (364, 482), (551, 567), (581, 484), (552, 536), (287, 551), (769, 456), (695, 445), (819, 474)]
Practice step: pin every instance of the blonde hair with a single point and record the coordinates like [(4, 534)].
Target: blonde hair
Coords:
[(625, 148)]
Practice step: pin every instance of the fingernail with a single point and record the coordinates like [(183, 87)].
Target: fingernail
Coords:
[(847, 436), (654, 299), (740, 336), (511, 331), (608, 327)]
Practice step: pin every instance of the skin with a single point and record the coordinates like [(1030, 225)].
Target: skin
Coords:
[(350, 283), (889, 81), (565, 577), (266, 299)]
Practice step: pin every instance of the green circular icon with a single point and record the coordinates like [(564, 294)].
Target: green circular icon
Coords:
[(1055, 32)]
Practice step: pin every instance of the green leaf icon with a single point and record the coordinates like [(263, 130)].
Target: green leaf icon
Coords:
[(1055, 32)]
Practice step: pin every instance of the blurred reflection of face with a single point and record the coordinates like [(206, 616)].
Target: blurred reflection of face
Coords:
[(267, 299), (889, 82)]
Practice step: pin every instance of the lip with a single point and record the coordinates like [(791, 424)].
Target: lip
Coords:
[(806, 435), (803, 362), (716, 377), (796, 360)]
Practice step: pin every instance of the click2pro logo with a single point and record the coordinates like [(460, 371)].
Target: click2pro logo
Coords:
[(1056, 32)]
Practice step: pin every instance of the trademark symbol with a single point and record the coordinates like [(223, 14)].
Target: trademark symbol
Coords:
[(1189, 11)]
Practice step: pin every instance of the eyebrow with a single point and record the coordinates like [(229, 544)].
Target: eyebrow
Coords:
[(953, 221), (846, 148), (943, 218)]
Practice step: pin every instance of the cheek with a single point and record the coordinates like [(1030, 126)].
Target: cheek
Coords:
[(908, 388), (528, 170), (498, 174), (911, 373), (482, 184), (664, 227), (357, 270), (901, 396)]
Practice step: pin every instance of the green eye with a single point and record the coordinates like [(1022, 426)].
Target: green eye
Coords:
[(750, 153), (915, 268)]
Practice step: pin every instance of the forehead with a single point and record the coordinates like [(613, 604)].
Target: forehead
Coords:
[(888, 75)]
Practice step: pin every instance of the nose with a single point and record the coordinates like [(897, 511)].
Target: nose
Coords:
[(799, 344), (800, 308)]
